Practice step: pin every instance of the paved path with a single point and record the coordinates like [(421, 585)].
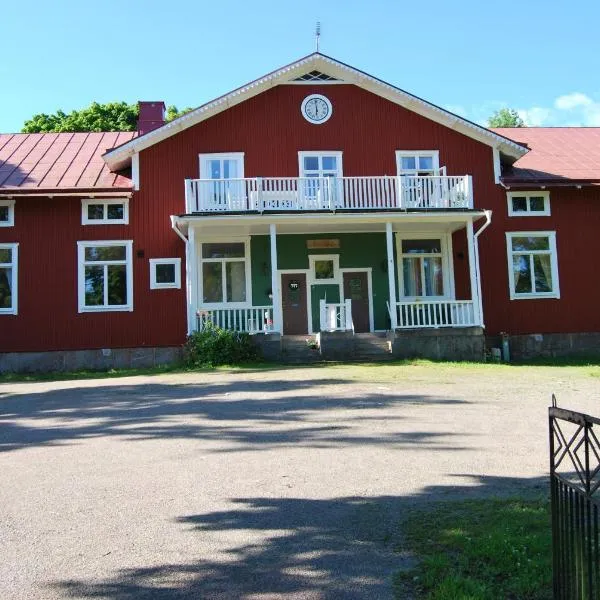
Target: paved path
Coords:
[(258, 486)]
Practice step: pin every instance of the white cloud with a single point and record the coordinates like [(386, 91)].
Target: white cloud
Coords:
[(571, 101), (535, 116)]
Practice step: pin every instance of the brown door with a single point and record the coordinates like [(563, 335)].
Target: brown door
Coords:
[(356, 287), (293, 301)]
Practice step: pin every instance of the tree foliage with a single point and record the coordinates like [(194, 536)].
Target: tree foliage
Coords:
[(506, 117), (112, 116)]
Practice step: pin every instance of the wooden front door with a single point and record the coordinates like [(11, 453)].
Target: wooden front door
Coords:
[(293, 303), (356, 288)]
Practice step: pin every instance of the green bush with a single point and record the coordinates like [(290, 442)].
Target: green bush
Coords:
[(215, 346)]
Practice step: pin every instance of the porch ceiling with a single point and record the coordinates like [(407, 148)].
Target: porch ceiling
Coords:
[(236, 225)]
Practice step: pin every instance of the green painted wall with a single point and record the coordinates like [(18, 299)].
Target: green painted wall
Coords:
[(357, 250)]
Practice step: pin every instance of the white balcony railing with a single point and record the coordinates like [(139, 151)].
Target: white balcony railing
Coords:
[(258, 319), (436, 313), (261, 194), (336, 317)]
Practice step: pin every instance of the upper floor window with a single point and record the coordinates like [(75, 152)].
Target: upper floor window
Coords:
[(528, 204), (8, 278), (320, 164), (228, 165), (7, 213), (418, 163), (105, 212), (532, 264), (105, 276)]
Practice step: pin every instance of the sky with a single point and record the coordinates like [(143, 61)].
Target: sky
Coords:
[(541, 58)]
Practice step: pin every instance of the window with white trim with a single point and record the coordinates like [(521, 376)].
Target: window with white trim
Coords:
[(420, 163), (325, 268), (528, 204), (165, 273), (7, 213), (105, 212), (105, 272), (320, 164), (8, 278), (422, 268), (225, 272), (532, 264)]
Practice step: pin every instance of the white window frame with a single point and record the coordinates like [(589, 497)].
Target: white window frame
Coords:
[(247, 270), (416, 153), (155, 285), (447, 263), (14, 265), (204, 158), (81, 264), (105, 202), (551, 235), (528, 195), (11, 213), (338, 154), (337, 277)]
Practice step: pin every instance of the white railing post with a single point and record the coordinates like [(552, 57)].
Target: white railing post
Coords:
[(389, 236), (469, 191), (275, 287), (323, 315), (473, 274), (349, 324), (189, 203), (260, 205)]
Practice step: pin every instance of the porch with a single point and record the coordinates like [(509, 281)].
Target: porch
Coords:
[(304, 275)]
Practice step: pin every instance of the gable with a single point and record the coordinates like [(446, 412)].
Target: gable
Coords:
[(322, 65)]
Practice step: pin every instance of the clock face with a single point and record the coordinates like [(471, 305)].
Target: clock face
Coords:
[(316, 108)]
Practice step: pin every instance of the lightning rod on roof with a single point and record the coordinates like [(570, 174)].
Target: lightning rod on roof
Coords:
[(317, 34)]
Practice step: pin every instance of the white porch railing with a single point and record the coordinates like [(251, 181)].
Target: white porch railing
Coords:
[(261, 194), (435, 313), (336, 317), (258, 319)]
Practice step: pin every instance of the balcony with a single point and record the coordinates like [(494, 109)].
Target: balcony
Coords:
[(293, 194)]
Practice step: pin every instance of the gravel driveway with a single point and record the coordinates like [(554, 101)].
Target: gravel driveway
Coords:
[(255, 485)]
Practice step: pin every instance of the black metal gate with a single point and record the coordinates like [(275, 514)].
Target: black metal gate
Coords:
[(575, 500)]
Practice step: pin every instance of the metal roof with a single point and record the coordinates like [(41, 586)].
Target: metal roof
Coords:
[(60, 161), (558, 154)]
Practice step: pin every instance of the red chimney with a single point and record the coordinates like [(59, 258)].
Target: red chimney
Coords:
[(151, 116)]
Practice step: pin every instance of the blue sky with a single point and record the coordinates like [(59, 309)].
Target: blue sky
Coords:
[(472, 57)]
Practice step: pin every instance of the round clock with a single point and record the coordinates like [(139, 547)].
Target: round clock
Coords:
[(316, 109)]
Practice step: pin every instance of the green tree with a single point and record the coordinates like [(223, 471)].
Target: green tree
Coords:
[(112, 116), (506, 117)]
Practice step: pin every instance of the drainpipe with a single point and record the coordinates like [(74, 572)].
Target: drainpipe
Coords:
[(488, 221)]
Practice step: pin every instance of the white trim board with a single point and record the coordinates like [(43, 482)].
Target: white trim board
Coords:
[(14, 266), (119, 157)]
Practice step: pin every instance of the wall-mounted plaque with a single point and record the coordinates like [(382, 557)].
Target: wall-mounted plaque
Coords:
[(322, 244)]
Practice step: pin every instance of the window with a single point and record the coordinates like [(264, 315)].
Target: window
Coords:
[(320, 164), (532, 265), (165, 273), (422, 268), (105, 276), (418, 164), (528, 204), (8, 278), (225, 272), (7, 213), (105, 212), (324, 268)]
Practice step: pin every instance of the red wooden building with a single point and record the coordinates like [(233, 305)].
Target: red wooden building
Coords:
[(317, 201)]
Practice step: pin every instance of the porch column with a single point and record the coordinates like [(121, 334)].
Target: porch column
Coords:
[(474, 275), (191, 271), (389, 236), (277, 324)]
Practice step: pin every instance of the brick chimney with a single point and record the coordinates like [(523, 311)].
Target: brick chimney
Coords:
[(151, 116)]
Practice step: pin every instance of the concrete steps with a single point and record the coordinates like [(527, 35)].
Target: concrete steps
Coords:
[(296, 349)]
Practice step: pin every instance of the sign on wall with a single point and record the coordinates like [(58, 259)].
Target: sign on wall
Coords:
[(322, 244)]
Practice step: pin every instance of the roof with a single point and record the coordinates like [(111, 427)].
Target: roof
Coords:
[(59, 162), (558, 154), (118, 158)]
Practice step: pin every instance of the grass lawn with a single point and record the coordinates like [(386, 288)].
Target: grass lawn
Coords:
[(479, 550), (384, 372)]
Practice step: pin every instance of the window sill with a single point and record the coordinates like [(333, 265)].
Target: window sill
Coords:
[(96, 309), (552, 296), (119, 222), (8, 311)]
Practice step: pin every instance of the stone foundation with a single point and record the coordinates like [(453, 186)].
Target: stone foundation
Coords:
[(94, 360), (439, 344), (549, 345)]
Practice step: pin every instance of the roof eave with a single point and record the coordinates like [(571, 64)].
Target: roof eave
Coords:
[(119, 157)]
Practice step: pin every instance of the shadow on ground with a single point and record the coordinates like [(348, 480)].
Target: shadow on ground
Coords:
[(338, 549), (253, 415)]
